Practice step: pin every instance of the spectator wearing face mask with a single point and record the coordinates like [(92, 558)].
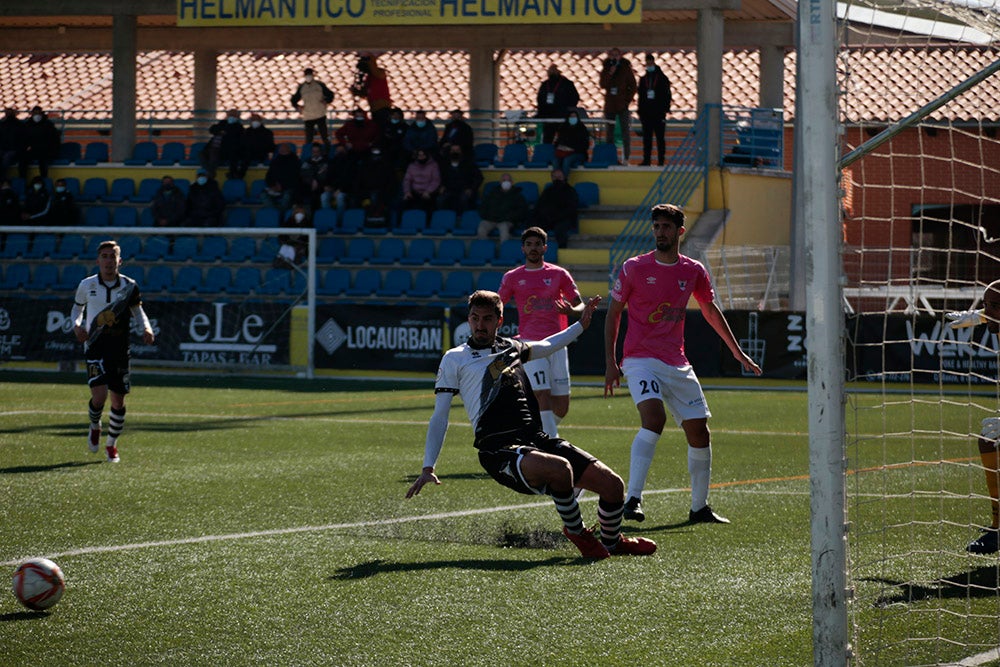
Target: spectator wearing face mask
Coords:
[(258, 142), (421, 182), (391, 141), (457, 133), (37, 200), (460, 181), (226, 146), (503, 208), (556, 209), (618, 82), (169, 206), (572, 143), (654, 105), (421, 135), (204, 202), (63, 209), (556, 97), (41, 143), (314, 174), (311, 99), (357, 136)]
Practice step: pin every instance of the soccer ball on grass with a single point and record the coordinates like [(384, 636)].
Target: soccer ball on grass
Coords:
[(38, 583)]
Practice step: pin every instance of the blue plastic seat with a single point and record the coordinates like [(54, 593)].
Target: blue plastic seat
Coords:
[(154, 248), (42, 246), (529, 190), (442, 222), (366, 283), (325, 220), (73, 186), (213, 249), (16, 245), (69, 152), (130, 246), (482, 252), (187, 280), (124, 216), (70, 277), (543, 156), (389, 251), (412, 221), (484, 154), (335, 282), (97, 216), (94, 189), (275, 281), (44, 277), (121, 189), (143, 153), (148, 188), (419, 251), (426, 284), (551, 253), (514, 155), (359, 251), (449, 253), (70, 246), (184, 248), (457, 285), (246, 280), (234, 190), (510, 253), (588, 193), (352, 221), (172, 153), (267, 216), (489, 280), (241, 250), (194, 154), (217, 279), (330, 249), (267, 250), (159, 278), (396, 284), (17, 276), (603, 156), (468, 224), (237, 217), (255, 191), (96, 152)]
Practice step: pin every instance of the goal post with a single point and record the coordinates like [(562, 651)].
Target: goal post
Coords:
[(216, 296)]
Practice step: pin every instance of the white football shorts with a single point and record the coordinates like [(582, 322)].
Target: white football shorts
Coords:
[(676, 386), (550, 373)]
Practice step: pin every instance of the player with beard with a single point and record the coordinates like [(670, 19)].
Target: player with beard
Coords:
[(487, 371)]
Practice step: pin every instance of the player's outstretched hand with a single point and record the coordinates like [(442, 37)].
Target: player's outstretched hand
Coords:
[(964, 318), (588, 311), (749, 364), (426, 477)]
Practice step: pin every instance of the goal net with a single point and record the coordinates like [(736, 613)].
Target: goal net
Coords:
[(920, 182), (219, 299)]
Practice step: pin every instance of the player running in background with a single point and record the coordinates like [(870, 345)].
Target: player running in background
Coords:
[(986, 543), (102, 316), (488, 372), (656, 287), (544, 294)]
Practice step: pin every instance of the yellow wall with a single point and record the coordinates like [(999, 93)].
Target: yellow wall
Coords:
[(760, 207)]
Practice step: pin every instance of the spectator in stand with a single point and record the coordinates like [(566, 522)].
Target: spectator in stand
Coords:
[(421, 182), (557, 96), (282, 178), (378, 185), (618, 82), (204, 202), (258, 142), (169, 206), (460, 181), (311, 99), (572, 143), (10, 204), (372, 83), (314, 174), (358, 135), (392, 140), (226, 146), (41, 143), (421, 135), (557, 209), (338, 190), (503, 208), (11, 140), (294, 247), (457, 133), (37, 200), (63, 209), (654, 105)]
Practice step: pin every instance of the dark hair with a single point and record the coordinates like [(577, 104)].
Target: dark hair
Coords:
[(486, 299), (669, 212), (534, 232)]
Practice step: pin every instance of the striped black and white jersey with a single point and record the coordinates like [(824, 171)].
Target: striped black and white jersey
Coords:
[(107, 310)]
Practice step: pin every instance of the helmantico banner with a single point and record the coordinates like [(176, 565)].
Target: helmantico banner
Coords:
[(263, 13)]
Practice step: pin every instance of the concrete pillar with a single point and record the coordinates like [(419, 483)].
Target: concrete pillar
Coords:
[(123, 56), (484, 93), (710, 47), (205, 76), (772, 77)]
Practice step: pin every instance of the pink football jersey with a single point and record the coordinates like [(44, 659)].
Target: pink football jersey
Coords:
[(536, 291)]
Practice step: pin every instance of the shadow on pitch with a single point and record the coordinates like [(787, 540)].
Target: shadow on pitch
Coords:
[(980, 582), (13, 470), (23, 616), (374, 567)]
